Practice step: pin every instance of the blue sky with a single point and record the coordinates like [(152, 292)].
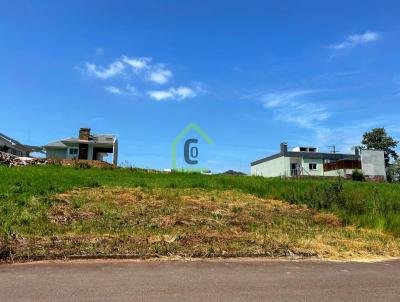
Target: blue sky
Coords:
[(251, 74)]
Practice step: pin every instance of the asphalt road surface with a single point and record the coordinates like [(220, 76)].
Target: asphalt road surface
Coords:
[(222, 280)]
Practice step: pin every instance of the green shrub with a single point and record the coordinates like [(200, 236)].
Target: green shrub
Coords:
[(358, 175)]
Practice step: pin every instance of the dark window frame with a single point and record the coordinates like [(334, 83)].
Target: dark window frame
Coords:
[(312, 166)]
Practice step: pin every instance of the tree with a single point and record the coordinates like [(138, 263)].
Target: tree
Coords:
[(378, 139), (394, 171)]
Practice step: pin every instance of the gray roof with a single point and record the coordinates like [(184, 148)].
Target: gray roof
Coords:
[(94, 139), (16, 143), (310, 155), (9, 139), (57, 144)]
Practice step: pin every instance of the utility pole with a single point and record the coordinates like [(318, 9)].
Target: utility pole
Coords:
[(333, 148)]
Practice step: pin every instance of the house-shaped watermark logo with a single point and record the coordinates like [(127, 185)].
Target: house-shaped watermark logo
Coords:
[(190, 148)]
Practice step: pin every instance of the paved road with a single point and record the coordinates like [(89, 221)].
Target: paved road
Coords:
[(201, 281)]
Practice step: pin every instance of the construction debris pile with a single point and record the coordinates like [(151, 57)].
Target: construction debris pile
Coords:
[(11, 160), (14, 161)]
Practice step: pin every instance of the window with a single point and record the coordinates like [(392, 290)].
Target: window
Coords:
[(73, 151), (312, 166)]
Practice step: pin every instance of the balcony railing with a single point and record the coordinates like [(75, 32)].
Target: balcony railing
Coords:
[(295, 172), (343, 164)]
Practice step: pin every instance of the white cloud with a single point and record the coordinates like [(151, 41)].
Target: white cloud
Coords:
[(179, 93), (117, 67), (349, 133), (199, 87), (160, 95), (112, 70), (113, 89), (137, 64), (143, 69), (185, 92), (393, 129), (159, 75), (272, 100), (129, 89), (356, 40), (291, 107), (306, 116)]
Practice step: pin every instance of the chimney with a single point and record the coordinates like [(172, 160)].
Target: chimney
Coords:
[(84, 134), (357, 151), (283, 148)]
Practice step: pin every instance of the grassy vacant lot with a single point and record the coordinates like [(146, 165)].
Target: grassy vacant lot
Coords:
[(55, 211)]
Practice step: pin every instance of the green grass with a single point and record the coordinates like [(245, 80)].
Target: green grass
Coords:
[(25, 192), (95, 220), (191, 222)]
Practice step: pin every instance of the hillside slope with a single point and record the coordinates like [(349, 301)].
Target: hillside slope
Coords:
[(148, 222)]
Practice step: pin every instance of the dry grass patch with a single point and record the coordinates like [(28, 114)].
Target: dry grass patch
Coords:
[(194, 223)]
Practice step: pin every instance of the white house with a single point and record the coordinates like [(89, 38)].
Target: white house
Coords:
[(308, 161), (86, 146)]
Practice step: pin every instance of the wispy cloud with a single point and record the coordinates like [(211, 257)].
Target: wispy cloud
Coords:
[(293, 107), (349, 133), (114, 69), (353, 41), (393, 129), (137, 64), (156, 73), (145, 70), (199, 87), (113, 89), (272, 100), (128, 89), (131, 89), (179, 93), (302, 108), (305, 115), (159, 75)]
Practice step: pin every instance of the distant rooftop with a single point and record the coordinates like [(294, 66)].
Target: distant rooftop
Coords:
[(17, 143), (306, 152), (94, 138), (10, 140), (84, 137)]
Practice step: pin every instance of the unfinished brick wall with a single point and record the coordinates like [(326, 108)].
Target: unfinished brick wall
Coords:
[(84, 134)]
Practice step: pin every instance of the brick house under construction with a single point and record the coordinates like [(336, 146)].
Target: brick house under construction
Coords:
[(86, 146)]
